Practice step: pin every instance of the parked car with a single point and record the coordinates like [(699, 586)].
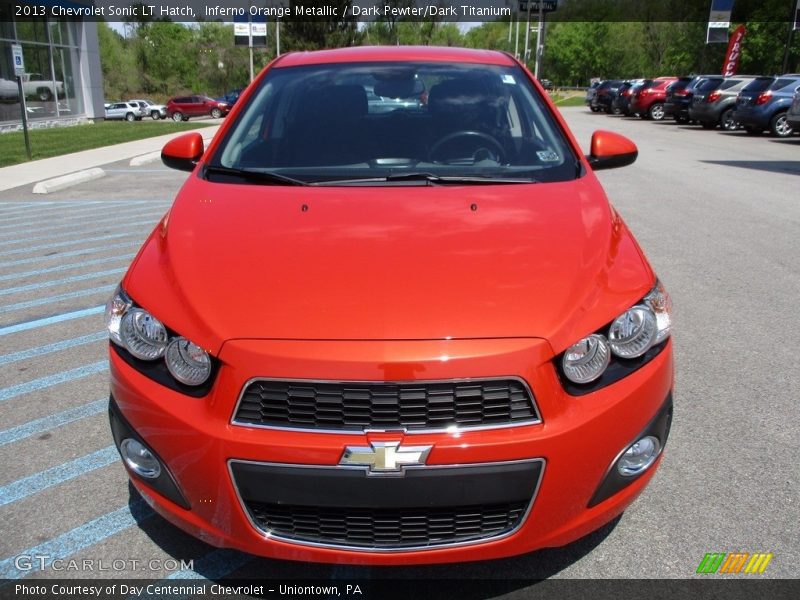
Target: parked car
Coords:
[(793, 114), (604, 95), (36, 85), (622, 101), (231, 97), (764, 102), (714, 101), (395, 338), (156, 111), (590, 93), (124, 110), (183, 107), (547, 84), (648, 100), (680, 93)]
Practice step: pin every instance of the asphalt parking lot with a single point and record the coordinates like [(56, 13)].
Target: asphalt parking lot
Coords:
[(718, 215)]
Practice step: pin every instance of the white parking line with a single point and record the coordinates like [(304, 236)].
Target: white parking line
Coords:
[(44, 322)]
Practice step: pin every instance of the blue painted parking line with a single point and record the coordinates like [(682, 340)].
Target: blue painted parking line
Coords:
[(35, 218), (74, 242), (38, 482), (92, 228), (77, 539), (63, 281), (47, 321), (54, 347), (67, 267), (39, 426), (79, 252), (41, 383), (48, 222), (57, 298)]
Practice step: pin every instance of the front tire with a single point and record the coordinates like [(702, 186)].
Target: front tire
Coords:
[(656, 112), (130, 117), (177, 117), (155, 115), (779, 126), (44, 94), (216, 113), (727, 122)]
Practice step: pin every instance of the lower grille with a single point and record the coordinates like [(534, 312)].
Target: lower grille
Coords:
[(387, 528), (356, 406)]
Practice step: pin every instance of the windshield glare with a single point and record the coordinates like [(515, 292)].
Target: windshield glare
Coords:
[(349, 121)]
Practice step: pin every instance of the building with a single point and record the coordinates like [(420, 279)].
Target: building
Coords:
[(63, 82)]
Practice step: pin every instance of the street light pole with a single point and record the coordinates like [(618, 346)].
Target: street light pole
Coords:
[(539, 41), (527, 32)]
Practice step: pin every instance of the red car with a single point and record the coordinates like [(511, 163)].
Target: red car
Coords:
[(648, 100), (417, 335), (183, 107)]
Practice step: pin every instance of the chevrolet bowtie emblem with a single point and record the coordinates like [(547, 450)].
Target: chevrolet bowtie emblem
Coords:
[(384, 457)]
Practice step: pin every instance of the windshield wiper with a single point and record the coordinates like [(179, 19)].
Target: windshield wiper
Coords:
[(429, 178), (267, 177)]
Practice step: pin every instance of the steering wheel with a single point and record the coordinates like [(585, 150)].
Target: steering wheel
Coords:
[(501, 153)]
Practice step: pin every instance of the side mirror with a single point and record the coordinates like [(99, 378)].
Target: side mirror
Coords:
[(611, 150), (183, 152)]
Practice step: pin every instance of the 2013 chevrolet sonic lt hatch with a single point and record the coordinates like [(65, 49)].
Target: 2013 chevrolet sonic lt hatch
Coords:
[(391, 318)]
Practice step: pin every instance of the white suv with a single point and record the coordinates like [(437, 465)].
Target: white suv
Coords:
[(156, 111), (124, 110)]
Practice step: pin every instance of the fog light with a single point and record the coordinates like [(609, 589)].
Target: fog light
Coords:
[(140, 460), (639, 456)]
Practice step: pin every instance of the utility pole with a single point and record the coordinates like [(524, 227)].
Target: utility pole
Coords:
[(527, 32), (539, 41)]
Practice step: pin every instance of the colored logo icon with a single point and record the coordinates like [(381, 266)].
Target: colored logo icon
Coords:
[(734, 562)]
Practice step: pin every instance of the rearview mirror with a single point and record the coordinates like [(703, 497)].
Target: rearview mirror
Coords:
[(183, 152), (611, 150)]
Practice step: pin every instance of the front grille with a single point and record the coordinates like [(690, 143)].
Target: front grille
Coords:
[(387, 528), (379, 405)]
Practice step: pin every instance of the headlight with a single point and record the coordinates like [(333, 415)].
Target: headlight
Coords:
[(585, 361), (633, 332), (143, 335), (188, 362), (614, 348), (116, 306), (145, 338)]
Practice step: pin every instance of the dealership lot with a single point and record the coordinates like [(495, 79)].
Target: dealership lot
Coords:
[(716, 213)]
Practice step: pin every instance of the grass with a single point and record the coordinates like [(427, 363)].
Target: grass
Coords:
[(570, 100), (46, 143)]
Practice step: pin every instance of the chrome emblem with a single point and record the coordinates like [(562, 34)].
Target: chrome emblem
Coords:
[(384, 458)]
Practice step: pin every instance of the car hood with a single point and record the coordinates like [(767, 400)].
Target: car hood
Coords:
[(406, 262)]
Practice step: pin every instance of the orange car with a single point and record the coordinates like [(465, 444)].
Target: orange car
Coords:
[(415, 335)]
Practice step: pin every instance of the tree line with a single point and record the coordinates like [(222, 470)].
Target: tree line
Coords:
[(584, 39)]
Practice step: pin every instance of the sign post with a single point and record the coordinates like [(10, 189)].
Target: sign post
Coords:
[(18, 59)]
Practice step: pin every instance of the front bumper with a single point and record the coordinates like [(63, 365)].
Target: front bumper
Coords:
[(555, 467)]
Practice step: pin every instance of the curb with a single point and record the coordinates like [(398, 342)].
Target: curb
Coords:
[(138, 161), (65, 181)]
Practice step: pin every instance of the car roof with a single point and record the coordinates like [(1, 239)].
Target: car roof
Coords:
[(395, 53)]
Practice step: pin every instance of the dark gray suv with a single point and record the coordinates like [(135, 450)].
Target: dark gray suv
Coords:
[(764, 102), (714, 101)]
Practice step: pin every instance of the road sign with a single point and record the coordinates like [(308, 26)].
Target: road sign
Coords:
[(18, 60), (547, 5)]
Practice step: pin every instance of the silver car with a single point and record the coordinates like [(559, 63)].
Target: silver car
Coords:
[(155, 111), (124, 110)]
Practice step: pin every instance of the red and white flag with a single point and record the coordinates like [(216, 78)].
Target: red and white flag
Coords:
[(731, 64)]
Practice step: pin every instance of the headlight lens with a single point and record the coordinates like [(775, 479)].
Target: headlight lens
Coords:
[(188, 362), (585, 361), (116, 307), (633, 332), (143, 335), (660, 303)]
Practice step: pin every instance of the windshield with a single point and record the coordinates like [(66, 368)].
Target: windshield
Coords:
[(355, 121)]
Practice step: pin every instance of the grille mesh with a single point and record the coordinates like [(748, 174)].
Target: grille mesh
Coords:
[(387, 528), (358, 406)]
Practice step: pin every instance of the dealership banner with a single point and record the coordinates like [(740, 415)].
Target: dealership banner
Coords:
[(731, 63), (719, 21)]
